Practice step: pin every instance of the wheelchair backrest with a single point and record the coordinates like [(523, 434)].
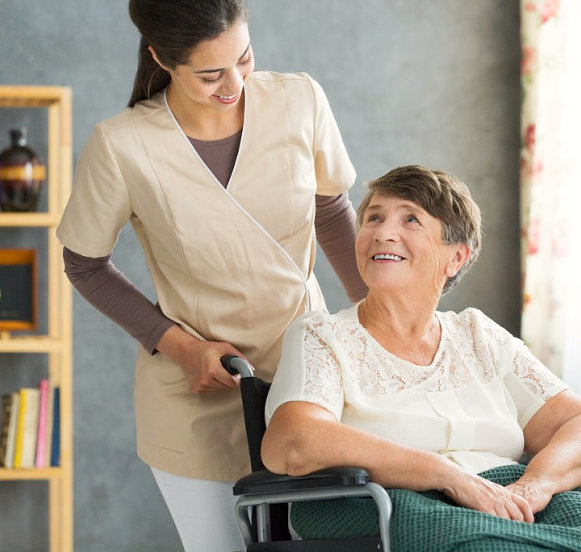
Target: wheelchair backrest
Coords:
[(254, 392)]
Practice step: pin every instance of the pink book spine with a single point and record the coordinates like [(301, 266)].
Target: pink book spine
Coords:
[(41, 435)]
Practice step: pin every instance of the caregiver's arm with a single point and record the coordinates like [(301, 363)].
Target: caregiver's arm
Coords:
[(100, 282), (553, 436), (303, 437), (335, 221)]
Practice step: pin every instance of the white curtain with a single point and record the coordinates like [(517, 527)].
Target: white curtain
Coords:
[(551, 183)]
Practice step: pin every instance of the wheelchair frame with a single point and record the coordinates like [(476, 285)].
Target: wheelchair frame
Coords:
[(262, 488)]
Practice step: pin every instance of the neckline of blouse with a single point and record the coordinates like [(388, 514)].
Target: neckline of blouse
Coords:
[(354, 317)]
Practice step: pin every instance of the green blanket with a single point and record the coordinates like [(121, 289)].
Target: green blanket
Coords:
[(430, 522)]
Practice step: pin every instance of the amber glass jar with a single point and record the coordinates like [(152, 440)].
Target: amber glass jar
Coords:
[(22, 174)]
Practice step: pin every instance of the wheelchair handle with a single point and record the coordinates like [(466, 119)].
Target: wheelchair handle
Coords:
[(237, 365)]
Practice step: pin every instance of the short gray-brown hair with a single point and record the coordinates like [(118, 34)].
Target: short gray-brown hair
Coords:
[(443, 196)]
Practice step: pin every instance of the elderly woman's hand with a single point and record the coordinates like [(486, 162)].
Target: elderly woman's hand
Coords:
[(485, 496), (536, 493)]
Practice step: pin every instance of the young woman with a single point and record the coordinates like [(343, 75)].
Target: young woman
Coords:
[(224, 174)]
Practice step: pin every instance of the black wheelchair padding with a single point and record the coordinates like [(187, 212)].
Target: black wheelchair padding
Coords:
[(264, 481), (254, 392)]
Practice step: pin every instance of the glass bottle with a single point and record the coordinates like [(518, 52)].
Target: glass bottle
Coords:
[(21, 174)]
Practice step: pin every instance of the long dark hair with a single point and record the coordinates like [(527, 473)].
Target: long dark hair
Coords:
[(174, 28)]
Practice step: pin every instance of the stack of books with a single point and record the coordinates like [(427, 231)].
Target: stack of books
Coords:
[(30, 435)]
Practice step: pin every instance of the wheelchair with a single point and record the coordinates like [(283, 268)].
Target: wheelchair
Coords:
[(261, 509)]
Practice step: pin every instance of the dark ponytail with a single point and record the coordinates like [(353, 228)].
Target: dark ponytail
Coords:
[(150, 77), (174, 28)]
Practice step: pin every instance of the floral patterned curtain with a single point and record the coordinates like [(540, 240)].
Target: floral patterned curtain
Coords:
[(551, 183)]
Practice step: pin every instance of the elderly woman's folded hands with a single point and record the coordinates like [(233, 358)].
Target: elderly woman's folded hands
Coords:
[(537, 494), (485, 496)]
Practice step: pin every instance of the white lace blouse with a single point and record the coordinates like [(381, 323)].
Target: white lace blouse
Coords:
[(471, 404)]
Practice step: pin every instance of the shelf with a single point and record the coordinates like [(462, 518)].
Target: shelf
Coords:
[(30, 96), (29, 219), (30, 344), (32, 473), (56, 339)]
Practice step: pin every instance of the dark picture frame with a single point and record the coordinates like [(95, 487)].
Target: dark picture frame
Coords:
[(18, 295)]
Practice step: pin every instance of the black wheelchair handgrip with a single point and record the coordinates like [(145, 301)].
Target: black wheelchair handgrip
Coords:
[(226, 362), (236, 365)]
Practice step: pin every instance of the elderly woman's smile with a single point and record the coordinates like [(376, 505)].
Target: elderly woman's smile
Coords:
[(387, 257)]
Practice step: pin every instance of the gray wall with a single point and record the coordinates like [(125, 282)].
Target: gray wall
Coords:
[(434, 82)]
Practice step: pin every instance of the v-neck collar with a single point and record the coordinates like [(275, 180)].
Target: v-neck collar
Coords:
[(191, 146), (227, 190)]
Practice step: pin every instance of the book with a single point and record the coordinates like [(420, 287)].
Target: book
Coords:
[(39, 460), (12, 429), (49, 425), (5, 423), (19, 430), (31, 398), (56, 431)]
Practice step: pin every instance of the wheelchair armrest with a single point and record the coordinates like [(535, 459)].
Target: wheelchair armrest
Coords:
[(264, 482)]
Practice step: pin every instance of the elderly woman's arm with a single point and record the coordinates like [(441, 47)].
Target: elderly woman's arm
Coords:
[(303, 437), (553, 436)]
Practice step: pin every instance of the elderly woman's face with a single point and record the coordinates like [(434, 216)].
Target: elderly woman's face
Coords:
[(399, 245)]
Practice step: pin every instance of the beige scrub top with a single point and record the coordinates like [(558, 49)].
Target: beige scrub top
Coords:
[(232, 265)]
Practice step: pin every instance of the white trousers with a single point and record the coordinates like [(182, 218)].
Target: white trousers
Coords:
[(203, 512)]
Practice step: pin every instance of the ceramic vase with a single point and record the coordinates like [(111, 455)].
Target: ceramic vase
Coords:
[(22, 174)]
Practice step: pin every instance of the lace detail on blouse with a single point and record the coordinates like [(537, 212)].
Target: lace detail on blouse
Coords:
[(324, 382), (543, 384), (472, 347)]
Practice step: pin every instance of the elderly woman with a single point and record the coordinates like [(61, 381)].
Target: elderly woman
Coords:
[(425, 400)]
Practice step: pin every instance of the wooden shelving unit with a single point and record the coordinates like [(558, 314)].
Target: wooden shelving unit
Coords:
[(57, 343)]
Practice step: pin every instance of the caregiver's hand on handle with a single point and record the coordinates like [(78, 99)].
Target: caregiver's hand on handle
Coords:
[(199, 360)]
